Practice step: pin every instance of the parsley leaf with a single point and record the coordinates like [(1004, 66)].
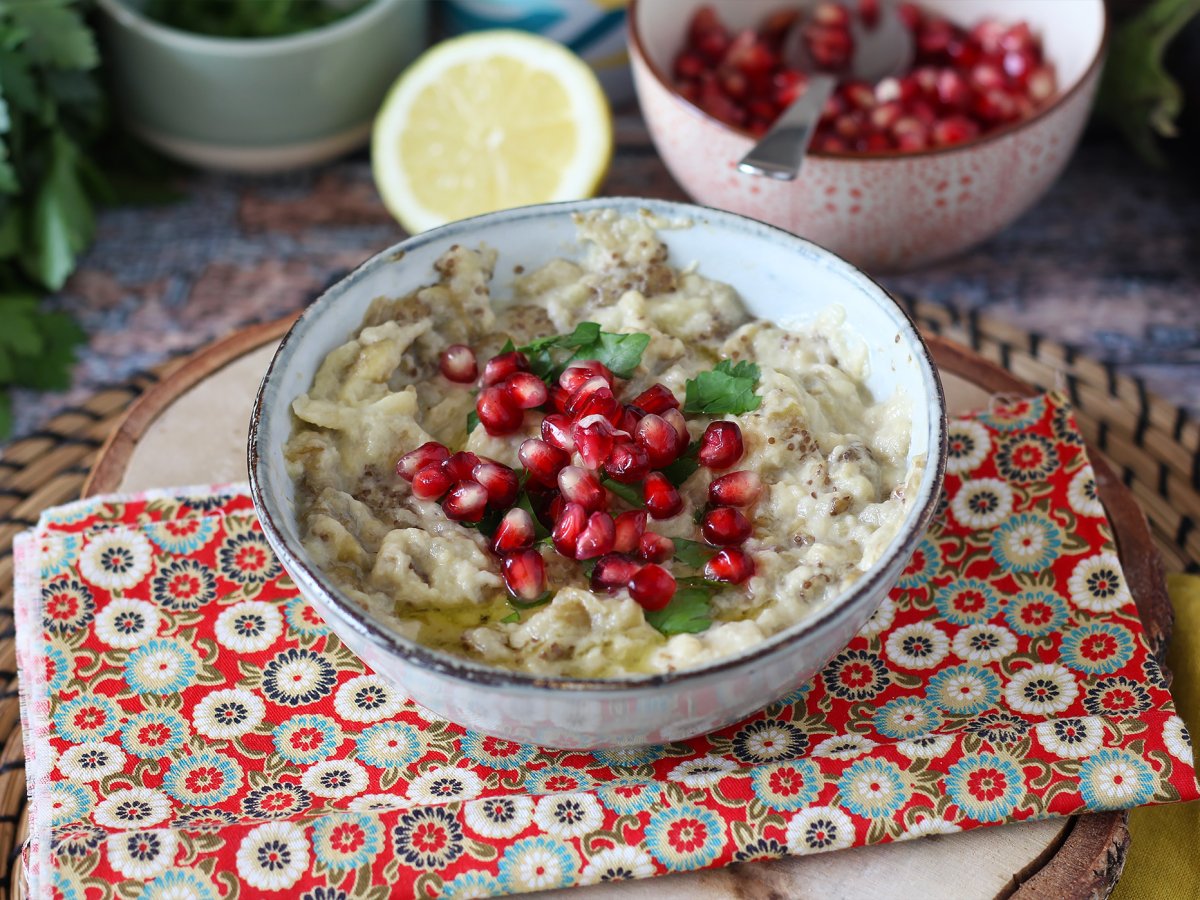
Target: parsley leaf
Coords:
[(727, 389), (687, 613), (683, 468), (540, 532), (692, 553), (621, 353), (512, 617), (626, 492), (472, 422)]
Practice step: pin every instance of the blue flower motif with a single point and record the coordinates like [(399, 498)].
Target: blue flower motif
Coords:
[(428, 837), (629, 795), (185, 585), (86, 718), (63, 888), (325, 892), (907, 717), (967, 601), (1097, 648), (183, 536), (964, 690), (495, 753), (58, 669), (153, 735), (787, 785), (629, 757), (306, 739), (1114, 779), (346, 840), (1034, 613), (985, 786), (1027, 542), (69, 802), (470, 885), (178, 883), (685, 837), (388, 745), (303, 618), (921, 567), (873, 788), (65, 548), (798, 697), (557, 780), (297, 677), (203, 779), (161, 666)]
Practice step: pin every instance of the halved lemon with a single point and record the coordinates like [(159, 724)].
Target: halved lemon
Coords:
[(489, 121)]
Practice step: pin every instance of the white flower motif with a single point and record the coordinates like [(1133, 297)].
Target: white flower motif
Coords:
[(367, 698), (379, 802), (1097, 584), (1117, 781), (162, 667), (1044, 689), (927, 746), (920, 645), (55, 549), (1081, 493), (132, 807), (91, 761), (228, 713), (499, 817), (249, 626), (984, 643), (844, 746), (532, 865), (142, 854), (273, 856), (618, 864), (932, 825), (983, 503), (703, 772), (116, 559), (443, 784), (969, 443), (1178, 741), (568, 815), (1071, 738), (125, 623), (881, 619), (334, 778), (819, 828), (69, 802)]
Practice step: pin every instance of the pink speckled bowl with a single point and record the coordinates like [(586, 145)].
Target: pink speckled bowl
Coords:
[(884, 212)]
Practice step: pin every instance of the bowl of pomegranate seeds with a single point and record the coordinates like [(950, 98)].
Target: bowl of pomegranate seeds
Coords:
[(901, 173), (601, 473)]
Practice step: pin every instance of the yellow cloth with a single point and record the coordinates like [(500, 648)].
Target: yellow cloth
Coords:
[(1163, 861)]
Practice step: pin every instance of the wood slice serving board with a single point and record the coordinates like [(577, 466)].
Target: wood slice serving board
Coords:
[(191, 429)]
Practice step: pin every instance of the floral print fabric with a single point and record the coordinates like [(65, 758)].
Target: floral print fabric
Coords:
[(194, 729)]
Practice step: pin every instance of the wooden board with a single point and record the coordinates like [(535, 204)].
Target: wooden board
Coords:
[(191, 429)]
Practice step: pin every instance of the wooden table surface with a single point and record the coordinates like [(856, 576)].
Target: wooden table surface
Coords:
[(1109, 260)]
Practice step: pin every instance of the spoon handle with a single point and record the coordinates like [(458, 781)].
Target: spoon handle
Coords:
[(781, 150)]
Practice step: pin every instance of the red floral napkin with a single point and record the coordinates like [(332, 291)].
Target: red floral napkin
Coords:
[(193, 729)]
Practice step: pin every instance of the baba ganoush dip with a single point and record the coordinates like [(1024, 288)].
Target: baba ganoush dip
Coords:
[(528, 557)]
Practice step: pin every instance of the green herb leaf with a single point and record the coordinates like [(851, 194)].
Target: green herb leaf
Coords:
[(684, 467), (472, 422), (539, 530), (57, 36), (692, 553), (626, 492), (532, 604), (512, 617), (687, 613), (622, 353), (727, 389)]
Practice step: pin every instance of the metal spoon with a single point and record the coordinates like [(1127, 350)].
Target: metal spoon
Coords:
[(886, 49)]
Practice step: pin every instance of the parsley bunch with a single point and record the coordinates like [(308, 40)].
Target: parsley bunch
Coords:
[(249, 18)]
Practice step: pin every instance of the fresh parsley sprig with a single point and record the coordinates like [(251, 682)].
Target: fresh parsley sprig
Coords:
[(621, 353), (727, 389)]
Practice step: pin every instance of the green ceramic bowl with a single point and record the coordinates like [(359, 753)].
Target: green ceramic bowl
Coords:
[(258, 104)]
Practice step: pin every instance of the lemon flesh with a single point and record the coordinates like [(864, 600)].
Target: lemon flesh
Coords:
[(489, 121)]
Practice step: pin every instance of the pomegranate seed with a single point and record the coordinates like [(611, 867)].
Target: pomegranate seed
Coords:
[(729, 565), (721, 445), (1019, 38), (652, 586), (432, 482), (499, 368), (515, 532), (887, 90), (461, 465), (597, 537), (987, 77), (543, 460), (628, 529), (524, 574), (612, 572), (662, 500), (594, 438), (735, 489), (953, 130), (500, 482), (675, 419), (568, 525), (1017, 65), (725, 526), (654, 547), (574, 377), (414, 461), (849, 126), (580, 486), (868, 11), (934, 36), (964, 52), (659, 439), (994, 106), (559, 397), (465, 502), (496, 411), (458, 364), (556, 431), (860, 95), (629, 419), (886, 115), (833, 14), (593, 392), (952, 89), (595, 367), (656, 399), (628, 463), (526, 390), (1041, 84), (557, 505)]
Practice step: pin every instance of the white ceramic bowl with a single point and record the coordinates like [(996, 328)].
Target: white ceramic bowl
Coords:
[(883, 211), (780, 277)]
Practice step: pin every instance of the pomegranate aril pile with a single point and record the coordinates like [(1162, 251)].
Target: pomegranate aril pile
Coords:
[(962, 82)]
